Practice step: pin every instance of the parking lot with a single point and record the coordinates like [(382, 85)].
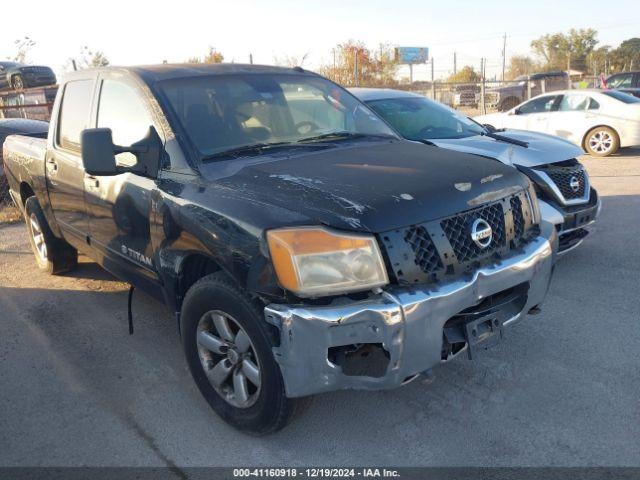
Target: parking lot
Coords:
[(561, 390)]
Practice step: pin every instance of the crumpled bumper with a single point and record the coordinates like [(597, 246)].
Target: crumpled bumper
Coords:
[(407, 322)]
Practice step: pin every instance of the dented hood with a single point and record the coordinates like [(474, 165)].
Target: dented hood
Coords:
[(542, 149), (368, 186)]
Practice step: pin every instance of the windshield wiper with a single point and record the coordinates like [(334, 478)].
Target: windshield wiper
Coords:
[(256, 148), (343, 134), (502, 138)]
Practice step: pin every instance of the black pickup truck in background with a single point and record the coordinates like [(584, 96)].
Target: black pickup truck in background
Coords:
[(302, 246)]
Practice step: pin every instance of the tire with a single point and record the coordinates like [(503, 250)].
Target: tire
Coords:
[(266, 409), (601, 142), (17, 82), (53, 255)]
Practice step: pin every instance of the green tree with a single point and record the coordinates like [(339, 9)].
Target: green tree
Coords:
[(557, 49), (465, 75), (627, 55), (91, 59)]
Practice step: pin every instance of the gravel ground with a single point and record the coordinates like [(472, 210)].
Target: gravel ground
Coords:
[(562, 389)]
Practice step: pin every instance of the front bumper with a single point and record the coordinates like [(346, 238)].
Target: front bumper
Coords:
[(571, 221), (408, 323)]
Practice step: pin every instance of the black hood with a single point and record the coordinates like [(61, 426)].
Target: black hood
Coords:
[(368, 186)]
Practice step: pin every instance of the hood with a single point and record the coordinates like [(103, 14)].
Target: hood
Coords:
[(543, 149), (368, 186)]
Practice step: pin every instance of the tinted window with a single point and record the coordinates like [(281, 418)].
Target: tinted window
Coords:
[(123, 111), (593, 105), (225, 112), (74, 113), (419, 118), (623, 97), (573, 102), (624, 80), (538, 105)]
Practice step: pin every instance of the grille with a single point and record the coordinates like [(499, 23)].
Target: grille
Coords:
[(427, 257), (562, 176), (457, 229), (518, 217)]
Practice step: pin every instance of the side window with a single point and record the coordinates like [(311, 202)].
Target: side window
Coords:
[(123, 111), (538, 105), (593, 105), (74, 113), (573, 102), (623, 80)]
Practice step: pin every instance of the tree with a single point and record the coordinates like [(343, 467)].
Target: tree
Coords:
[(23, 47), (465, 75), (290, 60), (212, 56), (373, 67), (627, 55), (91, 59), (520, 65), (557, 49)]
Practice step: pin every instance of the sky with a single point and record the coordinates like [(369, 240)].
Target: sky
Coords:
[(142, 32)]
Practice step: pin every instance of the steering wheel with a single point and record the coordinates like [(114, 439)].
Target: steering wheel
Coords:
[(306, 126)]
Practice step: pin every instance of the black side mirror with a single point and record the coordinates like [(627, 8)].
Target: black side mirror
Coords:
[(99, 153)]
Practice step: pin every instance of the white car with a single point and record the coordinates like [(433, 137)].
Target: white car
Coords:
[(599, 121), (565, 196)]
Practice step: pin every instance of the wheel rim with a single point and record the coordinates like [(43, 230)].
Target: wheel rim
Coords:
[(38, 238), (229, 359), (601, 142)]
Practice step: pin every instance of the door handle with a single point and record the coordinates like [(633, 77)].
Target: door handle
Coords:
[(92, 182), (52, 166)]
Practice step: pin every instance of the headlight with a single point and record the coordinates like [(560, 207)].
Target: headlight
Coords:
[(313, 261)]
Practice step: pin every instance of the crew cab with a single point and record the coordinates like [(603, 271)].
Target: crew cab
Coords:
[(302, 245), (565, 195)]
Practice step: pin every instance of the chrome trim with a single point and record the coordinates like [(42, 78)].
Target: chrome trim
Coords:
[(407, 321), (556, 191)]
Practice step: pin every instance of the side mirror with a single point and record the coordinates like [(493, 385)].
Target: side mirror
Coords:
[(513, 111), (99, 153)]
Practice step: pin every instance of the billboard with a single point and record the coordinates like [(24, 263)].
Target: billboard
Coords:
[(412, 55)]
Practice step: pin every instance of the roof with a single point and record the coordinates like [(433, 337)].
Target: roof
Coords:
[(167, 71), (370, 94)]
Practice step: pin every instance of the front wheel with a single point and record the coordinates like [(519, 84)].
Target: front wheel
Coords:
[(228, 347), (53, 255), (601, 142), (17, 82)]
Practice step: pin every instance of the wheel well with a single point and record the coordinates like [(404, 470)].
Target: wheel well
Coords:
[(192, 269), (25, 192), (584, 139)]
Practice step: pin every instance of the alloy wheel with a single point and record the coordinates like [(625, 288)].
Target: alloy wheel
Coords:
[(38, 237), (601, 142), (228, 358)]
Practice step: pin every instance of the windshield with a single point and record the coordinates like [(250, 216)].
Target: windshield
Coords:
[(623, 97), (222, 113), (422, 119)]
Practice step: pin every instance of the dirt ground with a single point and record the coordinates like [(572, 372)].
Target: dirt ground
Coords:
[(561, 390)]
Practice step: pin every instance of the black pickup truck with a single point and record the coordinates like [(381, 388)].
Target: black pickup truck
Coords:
[(302, 246)]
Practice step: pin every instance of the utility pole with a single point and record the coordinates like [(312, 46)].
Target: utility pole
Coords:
[(483, 66), (504, 54), (250, 59), (411, 73), (433, 82), (355, 67), (333, 50), (569, 70), (455, 64)]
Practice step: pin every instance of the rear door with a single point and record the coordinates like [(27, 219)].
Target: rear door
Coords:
[(119, 206), (63, 162)]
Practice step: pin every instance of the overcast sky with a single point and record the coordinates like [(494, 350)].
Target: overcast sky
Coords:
[(141, 32)]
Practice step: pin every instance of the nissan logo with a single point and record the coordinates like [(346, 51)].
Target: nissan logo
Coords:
[(481, 233), (574, 183)]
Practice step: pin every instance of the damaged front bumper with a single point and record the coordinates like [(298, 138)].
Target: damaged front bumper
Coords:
[(408, 325)]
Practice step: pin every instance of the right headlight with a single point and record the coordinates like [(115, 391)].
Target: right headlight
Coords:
[(314, 261)]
